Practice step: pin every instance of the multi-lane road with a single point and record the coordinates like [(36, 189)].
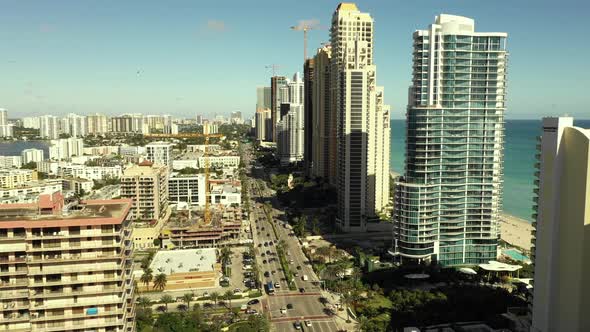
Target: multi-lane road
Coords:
[(285, 307)]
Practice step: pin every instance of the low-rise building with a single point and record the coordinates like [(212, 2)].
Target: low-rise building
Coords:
[(78, 185), (220, 161), (66, 267), (65, 148), (19, 193), (11, 162), (102, 150), (178, 164), (89, 172), (226, 193), (12, 178)]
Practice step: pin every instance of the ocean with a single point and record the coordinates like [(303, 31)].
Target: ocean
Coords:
[(15, 148), (519, 159)]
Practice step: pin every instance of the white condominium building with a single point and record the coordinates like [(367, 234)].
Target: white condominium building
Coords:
[(66, 270), (33, 122), (11, 161), (561, 236), (32, 155), (447, 205), (49, 126), (65, 148), (160, 153), (97, 124), (362, 120), (89, 172), (74, 125)]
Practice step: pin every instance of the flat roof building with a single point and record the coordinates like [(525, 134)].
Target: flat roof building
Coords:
[(66, 267)]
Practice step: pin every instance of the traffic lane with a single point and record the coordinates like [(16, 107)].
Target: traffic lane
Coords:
[(316, 326), (303, 305)]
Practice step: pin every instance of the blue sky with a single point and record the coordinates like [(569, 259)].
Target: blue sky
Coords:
[(195, 57)]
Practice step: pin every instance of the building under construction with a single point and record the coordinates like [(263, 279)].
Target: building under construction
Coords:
[(192, 232)]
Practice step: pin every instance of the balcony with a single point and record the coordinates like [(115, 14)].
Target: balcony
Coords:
[(41, 318)]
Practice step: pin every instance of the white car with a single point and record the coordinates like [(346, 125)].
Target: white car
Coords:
[(283, 311), (277, 285), (307, 323)]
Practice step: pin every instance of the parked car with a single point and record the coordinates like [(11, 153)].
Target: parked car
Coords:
[(253, 302)]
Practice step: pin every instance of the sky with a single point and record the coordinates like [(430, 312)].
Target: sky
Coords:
[(207, 57)]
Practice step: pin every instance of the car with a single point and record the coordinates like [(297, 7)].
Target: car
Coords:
[(298, 267), (206, 294), (283, 311), (307, 323), (253, 302), (297, 325), (296, 274), (268, 234), (237, 290), (268, 252), (263, 254), (260, 244), (289, 306), (251, 311), (291, 261), (301, 290), (266, 274), (277, 285), (264, 261), (273, 272)]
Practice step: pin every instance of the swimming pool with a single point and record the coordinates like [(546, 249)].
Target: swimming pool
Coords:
[(516, 255)]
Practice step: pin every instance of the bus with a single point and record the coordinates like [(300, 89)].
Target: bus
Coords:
[(270, 288)]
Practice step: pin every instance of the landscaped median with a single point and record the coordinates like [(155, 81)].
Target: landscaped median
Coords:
[(286, 270)]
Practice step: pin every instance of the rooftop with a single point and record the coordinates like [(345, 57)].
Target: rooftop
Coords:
[(99, 212), (183, 261)]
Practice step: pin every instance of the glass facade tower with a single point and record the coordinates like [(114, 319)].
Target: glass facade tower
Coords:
[(448, 203)]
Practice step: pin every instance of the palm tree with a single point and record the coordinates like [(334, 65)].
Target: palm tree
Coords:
[(147, 277), (346, 300), (225, 254), (227, 296), (214, 296), (166, 299), (160, 281), (144, 302), (187, 298), (363, 323)]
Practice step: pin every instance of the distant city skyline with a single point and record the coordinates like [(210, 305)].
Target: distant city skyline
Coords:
[(189, 58)]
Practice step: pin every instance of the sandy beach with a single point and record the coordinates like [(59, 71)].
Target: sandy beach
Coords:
[(516, 231)]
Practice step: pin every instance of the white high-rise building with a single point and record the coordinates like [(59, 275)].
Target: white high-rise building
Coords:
[(97, 124), (448, 203), (263, 124), (362, 120), (32, 155), (561, 236), (74, 125), (49, 126), (187, 188), (291, 124), (3, 117), (6, 130), (65, 148), (33, 122), (160, 153)]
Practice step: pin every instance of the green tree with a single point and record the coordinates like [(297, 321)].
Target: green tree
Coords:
[(146, 277), (214, 296), (188, 298), (166, 299), (315, 225), (144, 302), (227, 296), (29, 165), (160, 282)]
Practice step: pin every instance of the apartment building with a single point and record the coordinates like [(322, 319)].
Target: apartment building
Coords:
[(147, 185), (11, 178), (32, 155), (11, 161), (561, 235), (160, 153), (66, 268)]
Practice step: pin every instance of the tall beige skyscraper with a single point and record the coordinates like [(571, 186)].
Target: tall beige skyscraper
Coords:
[(561, 250), (323, 123), (362, 120)]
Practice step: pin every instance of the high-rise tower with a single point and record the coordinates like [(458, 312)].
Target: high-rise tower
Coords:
[(447, 206), (362, 120)]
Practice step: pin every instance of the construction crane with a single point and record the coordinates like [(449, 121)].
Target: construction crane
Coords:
[(274, 68), (207, 216), (305, 26)]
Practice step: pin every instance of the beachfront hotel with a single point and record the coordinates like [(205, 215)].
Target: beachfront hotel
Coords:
[(66, 267), (448, 203), (561, 236)]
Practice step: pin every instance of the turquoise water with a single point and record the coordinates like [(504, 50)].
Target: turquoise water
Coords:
[(516, 255), (519, 159)]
